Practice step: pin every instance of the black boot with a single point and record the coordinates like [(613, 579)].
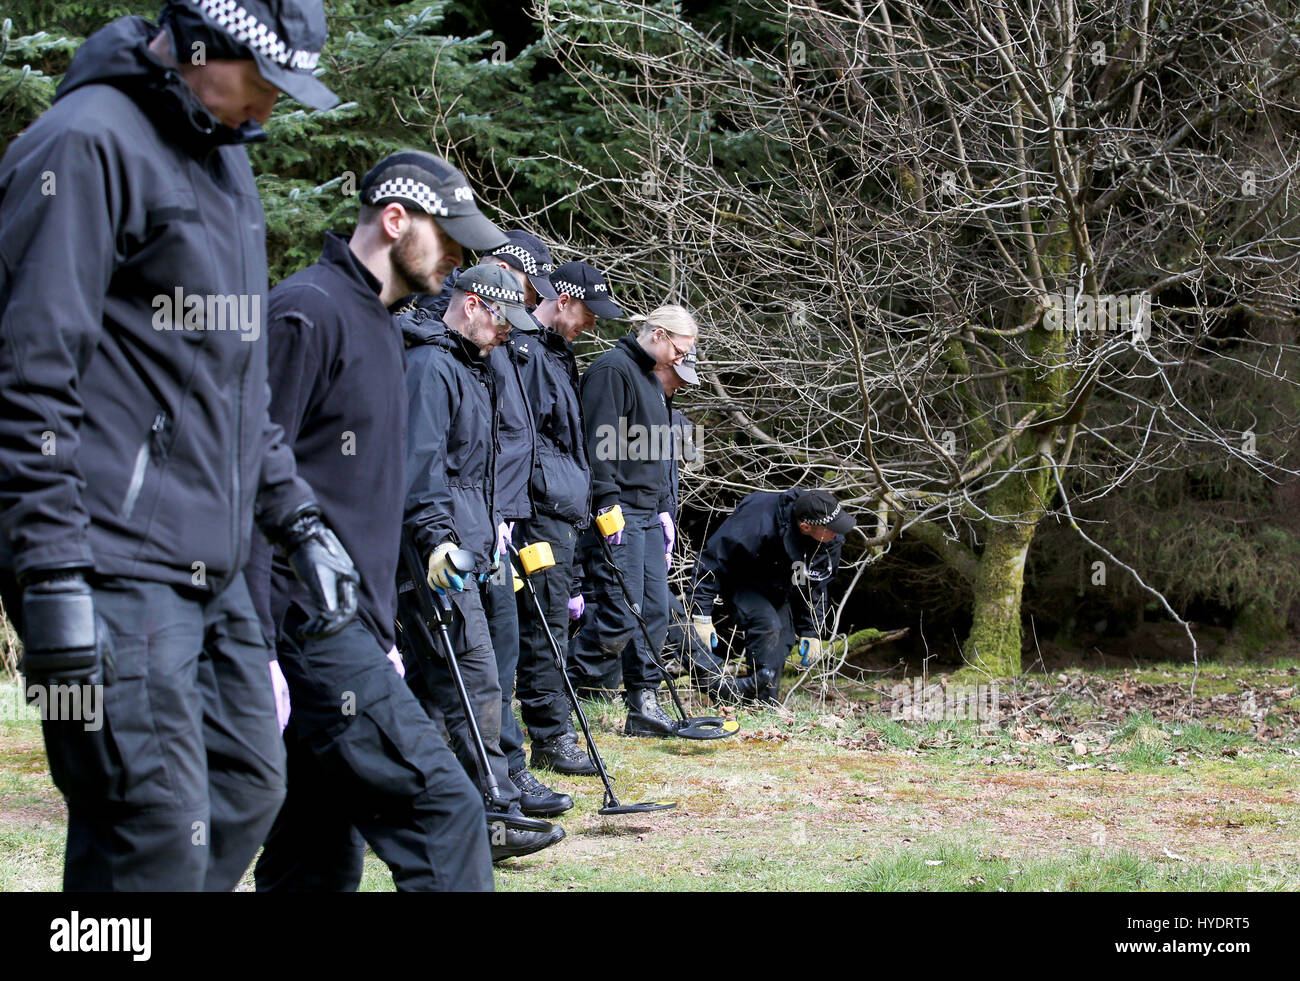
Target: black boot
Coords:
[(767, 687), (563, 755), (538, 800), (511, 842), (645, 717), (759, 687)]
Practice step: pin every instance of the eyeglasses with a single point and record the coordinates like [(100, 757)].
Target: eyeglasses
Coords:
[(678, 353), (497, 319)]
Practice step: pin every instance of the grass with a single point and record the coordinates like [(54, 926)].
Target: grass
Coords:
[(832, 796)]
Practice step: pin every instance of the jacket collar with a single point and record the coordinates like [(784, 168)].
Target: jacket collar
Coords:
[(337, 255), (639, 355), (420, 327)]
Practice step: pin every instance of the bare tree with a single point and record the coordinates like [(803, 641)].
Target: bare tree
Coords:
[(968, 263)]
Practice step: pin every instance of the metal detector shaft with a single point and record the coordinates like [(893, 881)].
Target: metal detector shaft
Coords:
[(612, 804), (572, 695), (645, 630), (429, 613), (704, 727)]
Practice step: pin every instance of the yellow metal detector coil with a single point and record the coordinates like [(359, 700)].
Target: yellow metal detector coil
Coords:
[(610, 522), (536, 557), (731, 725)]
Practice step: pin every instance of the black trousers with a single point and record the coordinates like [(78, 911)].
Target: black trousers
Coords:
[(766, 627), (366, 764), (179, 785), (430, 679), (503, 628), (542, 702), (609, 648)]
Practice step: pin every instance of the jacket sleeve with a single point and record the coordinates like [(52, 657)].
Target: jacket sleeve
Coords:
[(606, 397), (727, 548), (428, 510), (61, 208), (293, 361)]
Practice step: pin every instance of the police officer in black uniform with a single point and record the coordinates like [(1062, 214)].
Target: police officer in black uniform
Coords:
[(135, 447), (528, 260), (625, 415), (365, 760), (451, 505), (770, 564), (561, 483)]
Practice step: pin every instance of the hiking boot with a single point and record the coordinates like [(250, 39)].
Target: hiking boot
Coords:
[(512, 842), (645, 717), (563, 755), (538, 800)]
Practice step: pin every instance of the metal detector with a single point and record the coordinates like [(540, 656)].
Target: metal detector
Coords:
[(699, 727), (463, 562), (535, 558)]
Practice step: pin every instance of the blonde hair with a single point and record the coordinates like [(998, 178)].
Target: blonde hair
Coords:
[(671, 317)]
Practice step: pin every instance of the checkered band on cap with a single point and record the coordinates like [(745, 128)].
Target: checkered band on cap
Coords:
[(491, 292), (826, 519), (248, 30), (412, 190), (573, 289), (531, 266)]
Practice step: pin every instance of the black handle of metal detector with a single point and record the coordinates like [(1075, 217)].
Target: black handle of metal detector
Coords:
[(430, 614)]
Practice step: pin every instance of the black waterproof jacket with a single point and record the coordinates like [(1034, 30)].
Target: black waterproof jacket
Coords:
[(516, 429), (561, 478), (625, 415), (134, 436), (337, 361), (451, 440), (759, 547)]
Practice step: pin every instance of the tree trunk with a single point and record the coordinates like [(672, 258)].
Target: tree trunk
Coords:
[(993, 645)]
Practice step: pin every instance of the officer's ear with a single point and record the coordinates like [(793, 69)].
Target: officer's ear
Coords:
[(392, 219), (805, 527)]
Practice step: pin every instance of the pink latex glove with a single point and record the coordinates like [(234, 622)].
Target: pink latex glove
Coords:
[(670, 530), (397, 662), (505, 535), (670, 536), (281, 689), (577, 606)]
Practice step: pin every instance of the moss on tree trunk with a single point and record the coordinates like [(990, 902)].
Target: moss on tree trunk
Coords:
[(993, 644)]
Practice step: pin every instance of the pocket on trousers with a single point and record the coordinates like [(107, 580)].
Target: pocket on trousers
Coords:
[(85, 762), (379, 750)]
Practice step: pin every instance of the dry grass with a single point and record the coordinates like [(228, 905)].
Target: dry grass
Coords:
[(821, 801)]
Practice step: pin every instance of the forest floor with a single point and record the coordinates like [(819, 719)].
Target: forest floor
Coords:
[(1105, 779)]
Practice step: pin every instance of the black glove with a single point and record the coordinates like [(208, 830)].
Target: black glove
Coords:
[(59, 642), (324, 567)]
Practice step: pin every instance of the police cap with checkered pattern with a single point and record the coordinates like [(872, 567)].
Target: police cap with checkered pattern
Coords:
[(583, 281), (819, 507), (284, 37), (529, 254), (686, 368), (498, 287), (421, 180)]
